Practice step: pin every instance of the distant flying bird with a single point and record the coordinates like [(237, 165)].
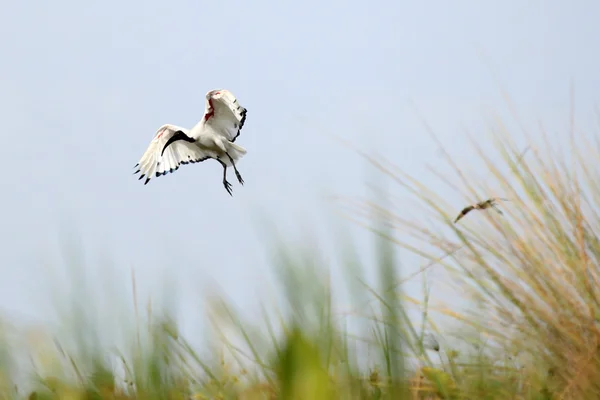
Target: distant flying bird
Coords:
[(430, 342), (481, 206), (212, 137)]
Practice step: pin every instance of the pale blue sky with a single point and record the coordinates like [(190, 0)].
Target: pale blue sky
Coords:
[(84, 86)]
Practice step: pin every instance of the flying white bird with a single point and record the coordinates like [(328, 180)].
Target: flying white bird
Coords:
[(212, 137)]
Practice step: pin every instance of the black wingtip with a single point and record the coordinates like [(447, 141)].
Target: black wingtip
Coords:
[(147, 180), (136, 165), (243, 120)]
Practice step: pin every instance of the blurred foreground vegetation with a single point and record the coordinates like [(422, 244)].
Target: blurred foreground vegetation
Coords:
[(530, 276)]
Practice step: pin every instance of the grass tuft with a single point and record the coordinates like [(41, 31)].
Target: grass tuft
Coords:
[(528, 326)]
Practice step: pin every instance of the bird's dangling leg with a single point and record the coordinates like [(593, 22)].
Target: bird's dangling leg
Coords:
[(237, 173), (225, 183)]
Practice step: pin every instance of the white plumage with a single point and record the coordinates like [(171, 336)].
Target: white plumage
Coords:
[(212, 137)]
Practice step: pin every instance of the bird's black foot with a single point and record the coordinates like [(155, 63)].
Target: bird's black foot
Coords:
[(227, 187), (239, 177)]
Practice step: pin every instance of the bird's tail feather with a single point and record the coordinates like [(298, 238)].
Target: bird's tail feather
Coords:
[(237, 148), (236, 152)]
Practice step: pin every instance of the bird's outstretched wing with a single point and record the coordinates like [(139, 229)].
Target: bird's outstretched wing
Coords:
[(492, 202), (225, 113), (153, 164), (464, 212)]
